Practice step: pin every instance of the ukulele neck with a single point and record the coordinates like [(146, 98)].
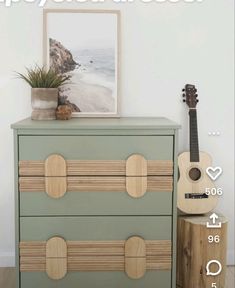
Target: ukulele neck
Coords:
[(194, 147)]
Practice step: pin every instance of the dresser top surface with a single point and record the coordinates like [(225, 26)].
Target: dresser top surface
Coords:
[(98, 123)]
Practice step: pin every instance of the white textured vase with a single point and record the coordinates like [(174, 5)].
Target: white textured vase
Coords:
[(44, 103)]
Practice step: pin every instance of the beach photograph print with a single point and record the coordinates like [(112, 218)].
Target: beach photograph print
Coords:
[(84, 45)]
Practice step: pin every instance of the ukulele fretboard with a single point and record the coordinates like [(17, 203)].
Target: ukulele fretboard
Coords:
[(194, 147)]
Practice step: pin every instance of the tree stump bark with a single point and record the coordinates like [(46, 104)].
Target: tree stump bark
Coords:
[(194, 252)]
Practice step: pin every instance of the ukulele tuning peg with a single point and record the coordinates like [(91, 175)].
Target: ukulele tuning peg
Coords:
[(196, 95), (197, 100), (183, 90), (184, 100), (183, 95)]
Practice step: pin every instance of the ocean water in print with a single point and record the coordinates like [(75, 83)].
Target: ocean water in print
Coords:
[(97, 66)]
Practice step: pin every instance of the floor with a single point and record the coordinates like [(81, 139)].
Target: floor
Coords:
[(7, 277), (230, 277)]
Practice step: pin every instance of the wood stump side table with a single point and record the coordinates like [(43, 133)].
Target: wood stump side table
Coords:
[(194, 252)]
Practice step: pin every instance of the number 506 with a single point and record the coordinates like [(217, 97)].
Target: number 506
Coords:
[(214, 191)]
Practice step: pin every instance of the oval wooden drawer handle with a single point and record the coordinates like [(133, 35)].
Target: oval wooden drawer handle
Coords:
[(136, 187), (136, 165), (136, 175), (55, 176), (55, 165), (56, 187), (135, 257), (56, 258)]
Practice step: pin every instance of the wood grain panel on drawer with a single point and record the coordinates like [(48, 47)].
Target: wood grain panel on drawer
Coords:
[(95, 147), (95, 168), (96, 183), (95, 255)]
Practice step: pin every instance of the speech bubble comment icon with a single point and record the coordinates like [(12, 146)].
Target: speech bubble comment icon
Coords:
[(208, 266)]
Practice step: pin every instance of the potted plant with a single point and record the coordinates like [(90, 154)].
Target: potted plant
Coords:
[(44, 91)]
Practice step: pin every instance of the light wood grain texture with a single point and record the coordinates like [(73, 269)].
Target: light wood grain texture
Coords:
[(136, 175), (194, 252), (56, 247), (56, 258), (186, 185), (38, 248), (135, 268), (99, 255), (56, 187), (135, 247), (55, 165), (136, 165), (55, 172), (56, 268), (135, 257), (136, 187), (96, 167), (93, 184), (7, 277)]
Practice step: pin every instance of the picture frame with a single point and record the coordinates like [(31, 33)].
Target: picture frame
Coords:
[(85, 44)]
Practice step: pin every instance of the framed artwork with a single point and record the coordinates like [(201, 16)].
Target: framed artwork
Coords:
[(85, 45)]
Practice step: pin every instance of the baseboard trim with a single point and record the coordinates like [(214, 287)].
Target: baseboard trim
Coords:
[(7, 259), (230, 257)]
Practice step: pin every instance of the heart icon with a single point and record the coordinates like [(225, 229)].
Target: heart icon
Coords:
[(214, 173)]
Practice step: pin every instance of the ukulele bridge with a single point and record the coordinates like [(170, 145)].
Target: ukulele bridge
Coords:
[(196, 196)]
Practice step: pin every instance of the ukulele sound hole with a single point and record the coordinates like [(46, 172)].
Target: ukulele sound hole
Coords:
[(195, 174)]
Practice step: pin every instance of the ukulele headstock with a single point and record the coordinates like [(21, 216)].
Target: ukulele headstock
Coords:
[(190, 95)]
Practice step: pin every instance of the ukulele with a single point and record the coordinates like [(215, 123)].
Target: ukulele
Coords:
[(193, 179)]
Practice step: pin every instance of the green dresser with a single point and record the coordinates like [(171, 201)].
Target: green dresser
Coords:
[(96, 203)]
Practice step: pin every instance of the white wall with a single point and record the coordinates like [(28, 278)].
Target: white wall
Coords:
[(163, 47)]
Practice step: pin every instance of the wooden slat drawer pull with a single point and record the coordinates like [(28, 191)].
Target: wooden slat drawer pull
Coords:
[(96, 168), (135, 257), (56, 187), (136, 176), (114, 255), (97, 184), (56, 258), (136, 187), (136, 165), (55, 176), (55, 166)]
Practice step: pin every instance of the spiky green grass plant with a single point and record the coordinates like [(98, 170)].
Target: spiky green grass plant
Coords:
[(40, 77)]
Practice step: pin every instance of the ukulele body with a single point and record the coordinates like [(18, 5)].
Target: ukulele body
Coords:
[(192, 184)]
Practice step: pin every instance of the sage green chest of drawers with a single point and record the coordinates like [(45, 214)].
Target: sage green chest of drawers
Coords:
[(96, 203)]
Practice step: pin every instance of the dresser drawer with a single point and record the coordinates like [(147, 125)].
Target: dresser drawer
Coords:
[(152, 279), (95, 203), (95, 147), (95, 178), (94, 257)]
